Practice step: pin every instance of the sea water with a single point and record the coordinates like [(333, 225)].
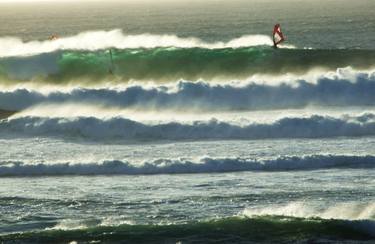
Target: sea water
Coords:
[(197, 130)]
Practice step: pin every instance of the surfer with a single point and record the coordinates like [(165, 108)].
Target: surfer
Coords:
[(277, 36), (53, 37)]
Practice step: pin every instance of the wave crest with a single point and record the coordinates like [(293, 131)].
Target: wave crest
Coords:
[(346, 210), (346, 87), (90, 128), (184, 166), (98, 40)]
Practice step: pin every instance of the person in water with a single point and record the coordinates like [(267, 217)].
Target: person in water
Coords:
[(53, 37)]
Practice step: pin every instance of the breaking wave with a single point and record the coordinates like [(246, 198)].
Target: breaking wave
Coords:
[(345, 87), (263, 229), (167, 64), (118, 128), (344, 211), (184, 166), (99, 40)]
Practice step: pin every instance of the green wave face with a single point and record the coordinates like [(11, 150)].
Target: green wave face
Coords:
[(229, 230), (177, 63)]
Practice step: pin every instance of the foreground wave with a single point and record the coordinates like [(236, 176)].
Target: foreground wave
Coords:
[(118, 128), (361, 210), (228, 230), (168, 64), (184, 166), (346, 87)]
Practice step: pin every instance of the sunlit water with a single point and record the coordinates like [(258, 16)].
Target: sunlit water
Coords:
[(220, 138)]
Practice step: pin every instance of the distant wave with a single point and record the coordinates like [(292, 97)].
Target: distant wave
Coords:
[(169, 64), (263, 229), (123, 129), (184, 166), (346, 87), (99, 40)]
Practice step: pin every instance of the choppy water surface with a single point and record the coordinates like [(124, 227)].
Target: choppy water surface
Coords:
[(178, 122)]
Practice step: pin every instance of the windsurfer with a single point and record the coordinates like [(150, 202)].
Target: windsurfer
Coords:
[(277, 36)]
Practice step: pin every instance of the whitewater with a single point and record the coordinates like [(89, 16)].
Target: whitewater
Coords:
[(179, 123), (101, 40)]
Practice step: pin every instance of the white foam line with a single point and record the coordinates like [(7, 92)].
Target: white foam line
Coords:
[(96, 40)]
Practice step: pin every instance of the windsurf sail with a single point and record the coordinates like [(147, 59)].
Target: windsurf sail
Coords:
[(278, 36)]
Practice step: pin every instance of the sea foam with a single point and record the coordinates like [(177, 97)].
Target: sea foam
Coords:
[(183, 166), (97, 40)]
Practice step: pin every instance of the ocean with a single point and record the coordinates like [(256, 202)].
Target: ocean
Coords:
[(178, 122)]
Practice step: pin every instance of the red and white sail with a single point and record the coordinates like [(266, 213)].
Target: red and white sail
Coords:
[(278, 36)]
